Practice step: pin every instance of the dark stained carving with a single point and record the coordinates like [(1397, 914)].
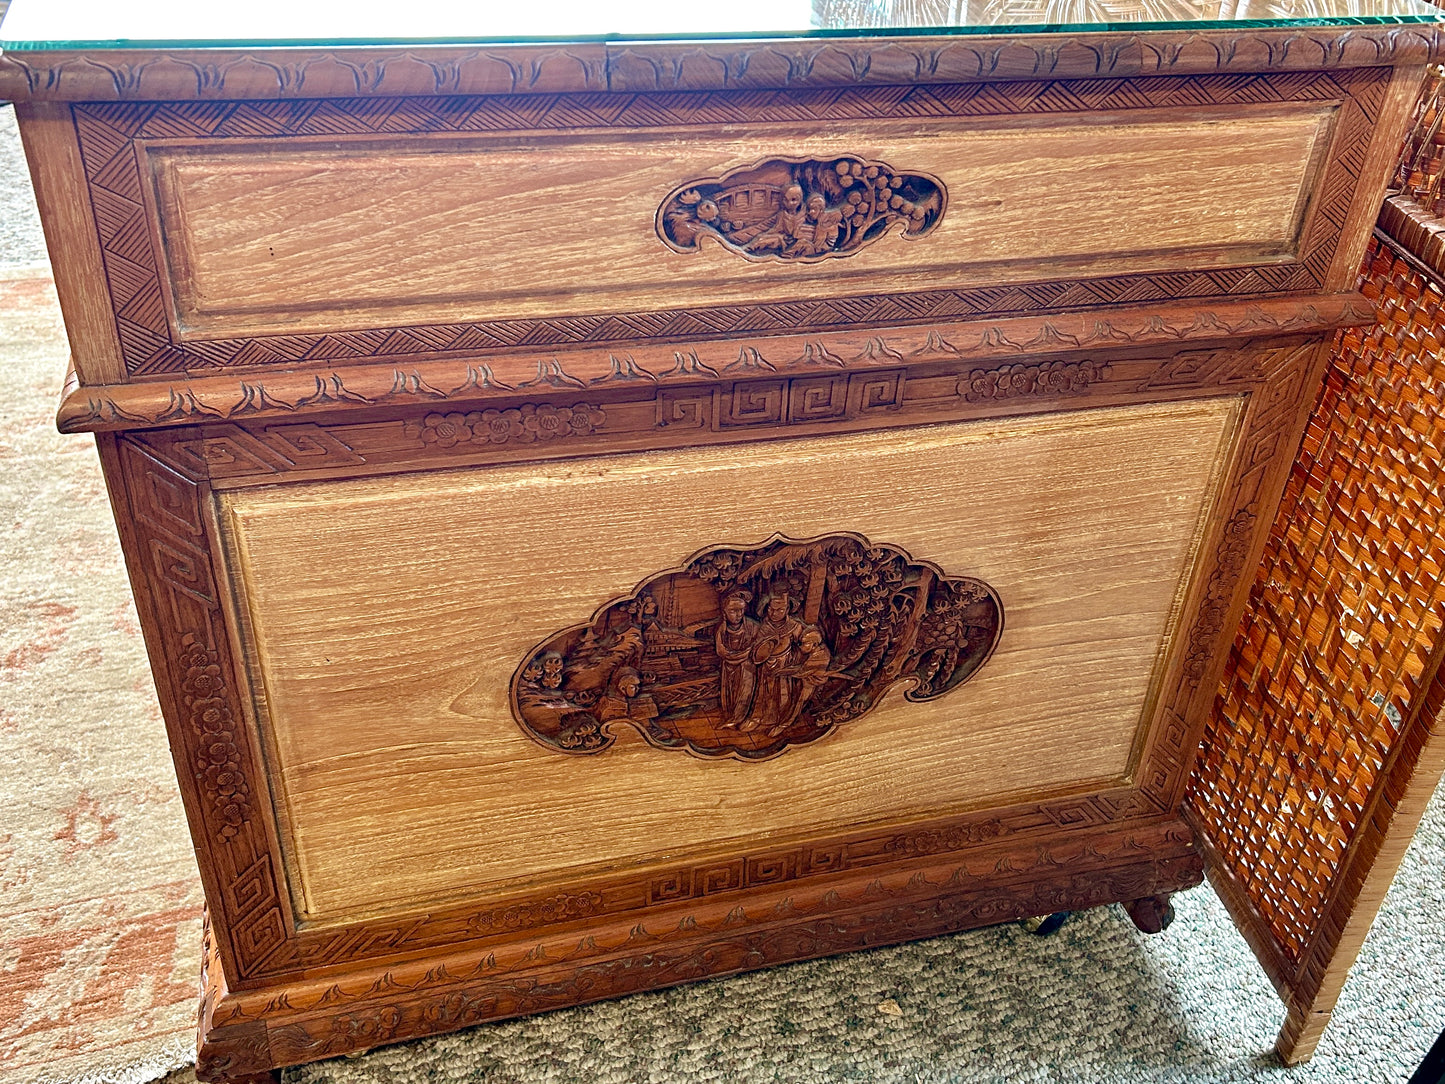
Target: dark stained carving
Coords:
[(802, 209), (744, 652)]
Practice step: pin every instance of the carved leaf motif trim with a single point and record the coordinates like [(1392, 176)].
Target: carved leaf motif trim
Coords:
[(744, 652), (801, 209)]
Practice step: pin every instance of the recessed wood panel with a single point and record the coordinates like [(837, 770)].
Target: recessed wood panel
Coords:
[(388, 616), (306, 235)]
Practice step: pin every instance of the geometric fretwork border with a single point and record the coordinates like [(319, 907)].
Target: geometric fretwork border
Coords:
[(109, 133)]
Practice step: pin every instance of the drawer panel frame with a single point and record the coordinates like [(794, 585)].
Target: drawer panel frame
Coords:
[(112, 138)]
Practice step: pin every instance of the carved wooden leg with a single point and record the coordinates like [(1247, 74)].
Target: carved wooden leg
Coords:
[(1152, 914)]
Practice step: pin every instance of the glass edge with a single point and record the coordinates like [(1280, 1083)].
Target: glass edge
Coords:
[(129, 44)]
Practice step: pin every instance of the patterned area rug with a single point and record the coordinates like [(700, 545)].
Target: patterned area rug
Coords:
[(99, 899)]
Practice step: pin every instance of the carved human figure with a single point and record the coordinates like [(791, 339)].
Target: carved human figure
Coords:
[(774, 655), (786, 228), (624, 699), (736, 634), (743, 651), (825, 224), (814, 658)]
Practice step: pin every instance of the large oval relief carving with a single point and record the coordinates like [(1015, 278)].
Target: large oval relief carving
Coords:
[(801, 209), (745, 652)]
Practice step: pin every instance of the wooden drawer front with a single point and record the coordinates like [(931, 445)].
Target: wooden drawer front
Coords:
[(388, 617), (265, 239), (262, 233)]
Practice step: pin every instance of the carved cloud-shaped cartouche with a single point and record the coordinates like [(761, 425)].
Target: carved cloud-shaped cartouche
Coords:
[(744, 652)]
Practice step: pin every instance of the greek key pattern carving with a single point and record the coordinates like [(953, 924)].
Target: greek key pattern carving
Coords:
[(108, 135), (651, 965), (198, 690), (223, 397), (422, 999), (745, 652), (664, 416)]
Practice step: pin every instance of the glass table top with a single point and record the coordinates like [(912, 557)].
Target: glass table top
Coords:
[(91, 24)]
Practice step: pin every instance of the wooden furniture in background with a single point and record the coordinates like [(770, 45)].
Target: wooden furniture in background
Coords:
[(607, 514)]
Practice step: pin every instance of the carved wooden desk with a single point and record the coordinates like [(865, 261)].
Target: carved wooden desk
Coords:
[(607, 514)]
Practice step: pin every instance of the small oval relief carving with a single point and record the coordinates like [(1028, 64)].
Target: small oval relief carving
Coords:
[(801, 209), (745, 652)]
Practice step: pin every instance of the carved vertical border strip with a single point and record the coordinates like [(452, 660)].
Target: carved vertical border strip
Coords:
[(1270, 431), (178, 592)]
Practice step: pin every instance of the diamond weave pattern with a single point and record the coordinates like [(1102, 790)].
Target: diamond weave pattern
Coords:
[(1342, 617)]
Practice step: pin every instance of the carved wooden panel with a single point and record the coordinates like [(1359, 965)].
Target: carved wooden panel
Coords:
[(744, 652), (527, 549), (276, 237), (801, 209), (109, 136), (168, 540)]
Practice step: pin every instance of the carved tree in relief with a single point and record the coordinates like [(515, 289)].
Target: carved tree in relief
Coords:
[(744, 652), (804, 210)]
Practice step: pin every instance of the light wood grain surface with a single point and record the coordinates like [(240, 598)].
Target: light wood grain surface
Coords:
[(389, 615), (318, 235), (76, 262)]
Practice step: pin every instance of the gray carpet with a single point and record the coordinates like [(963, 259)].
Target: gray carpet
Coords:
[(1097, 1002)]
